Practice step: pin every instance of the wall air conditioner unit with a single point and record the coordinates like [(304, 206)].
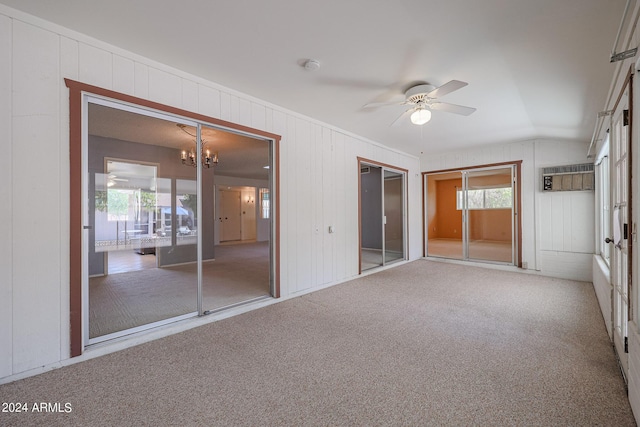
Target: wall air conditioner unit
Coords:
[(568, 178)]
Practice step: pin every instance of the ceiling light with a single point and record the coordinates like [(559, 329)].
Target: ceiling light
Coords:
[(420, 116), (207, 158)]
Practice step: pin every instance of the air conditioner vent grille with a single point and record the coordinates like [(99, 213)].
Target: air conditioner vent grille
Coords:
[(585, 167), (568, 178)]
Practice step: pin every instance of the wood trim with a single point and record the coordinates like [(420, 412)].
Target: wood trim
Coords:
[(276, 165), (75, 220), (359, 216), (383, 165), (517, 164), (519, 204), (76, 89), (489, 165)]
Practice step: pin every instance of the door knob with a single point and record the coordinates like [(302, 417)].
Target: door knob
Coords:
[(608, 240)]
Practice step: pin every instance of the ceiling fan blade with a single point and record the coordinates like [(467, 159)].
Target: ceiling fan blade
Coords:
[(402, 116), (452, 108), (384, 104), (447, 88)]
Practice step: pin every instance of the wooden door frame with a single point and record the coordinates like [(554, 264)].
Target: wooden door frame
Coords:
[(77, 90)]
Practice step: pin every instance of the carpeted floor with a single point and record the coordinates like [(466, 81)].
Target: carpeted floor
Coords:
[(489, 250), (121, 301), (426, 343)]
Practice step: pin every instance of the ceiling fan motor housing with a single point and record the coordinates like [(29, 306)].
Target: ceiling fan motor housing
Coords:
[(418, 94)]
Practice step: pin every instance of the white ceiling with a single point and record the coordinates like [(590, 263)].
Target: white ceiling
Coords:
[(535, 68)]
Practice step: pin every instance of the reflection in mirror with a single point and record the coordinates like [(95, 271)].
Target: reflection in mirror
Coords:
[(143, 202)]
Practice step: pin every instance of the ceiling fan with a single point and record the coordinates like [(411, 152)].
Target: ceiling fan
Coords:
[(423, 98), (112, 178)]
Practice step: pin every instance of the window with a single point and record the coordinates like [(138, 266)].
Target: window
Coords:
[(264, 203), (486, 198), (603, 197)]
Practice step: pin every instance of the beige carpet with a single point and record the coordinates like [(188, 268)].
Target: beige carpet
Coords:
[(423, 344), (126, 300), (489, 250)]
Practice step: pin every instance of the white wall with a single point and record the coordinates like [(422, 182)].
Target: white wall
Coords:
[(319, 175), (557, 228)]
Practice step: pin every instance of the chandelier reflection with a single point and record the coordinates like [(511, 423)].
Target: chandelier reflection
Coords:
[(189, 158)]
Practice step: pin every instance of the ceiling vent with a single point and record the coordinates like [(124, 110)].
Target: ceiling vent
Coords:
[(568, 178)]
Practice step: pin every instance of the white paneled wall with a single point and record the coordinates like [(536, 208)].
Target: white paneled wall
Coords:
[(6, 195), (633, 374), (557, 228), (35, 204), (318, 176), (604, 291)]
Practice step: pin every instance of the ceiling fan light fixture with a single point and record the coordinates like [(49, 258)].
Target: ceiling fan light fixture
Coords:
[(421, 116)]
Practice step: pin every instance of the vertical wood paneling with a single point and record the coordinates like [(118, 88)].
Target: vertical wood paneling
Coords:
[(244, 110), (304, 196), (69, 62), (351, 207), (141, 80), (123, 75), (225, 106), (165, 88), (190, 99), (234, 104), (289, 211), (557, 222), (258, 116), (96, 66), (582, 220), (209, 104), (6, 194), (566, 219), (268, 120), (340, 221), (36, 206), (280, 128), (329, 204), (316, 204), (69, 68)]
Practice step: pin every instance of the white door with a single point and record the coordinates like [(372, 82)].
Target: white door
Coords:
[(230, 219), (620, 227)]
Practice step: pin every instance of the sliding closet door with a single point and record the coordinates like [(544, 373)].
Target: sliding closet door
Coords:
[(382, 215), (236, 219), (393, 216), (371, 217), (489, 201), (444, 208), (471, 214), (141, 222)]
